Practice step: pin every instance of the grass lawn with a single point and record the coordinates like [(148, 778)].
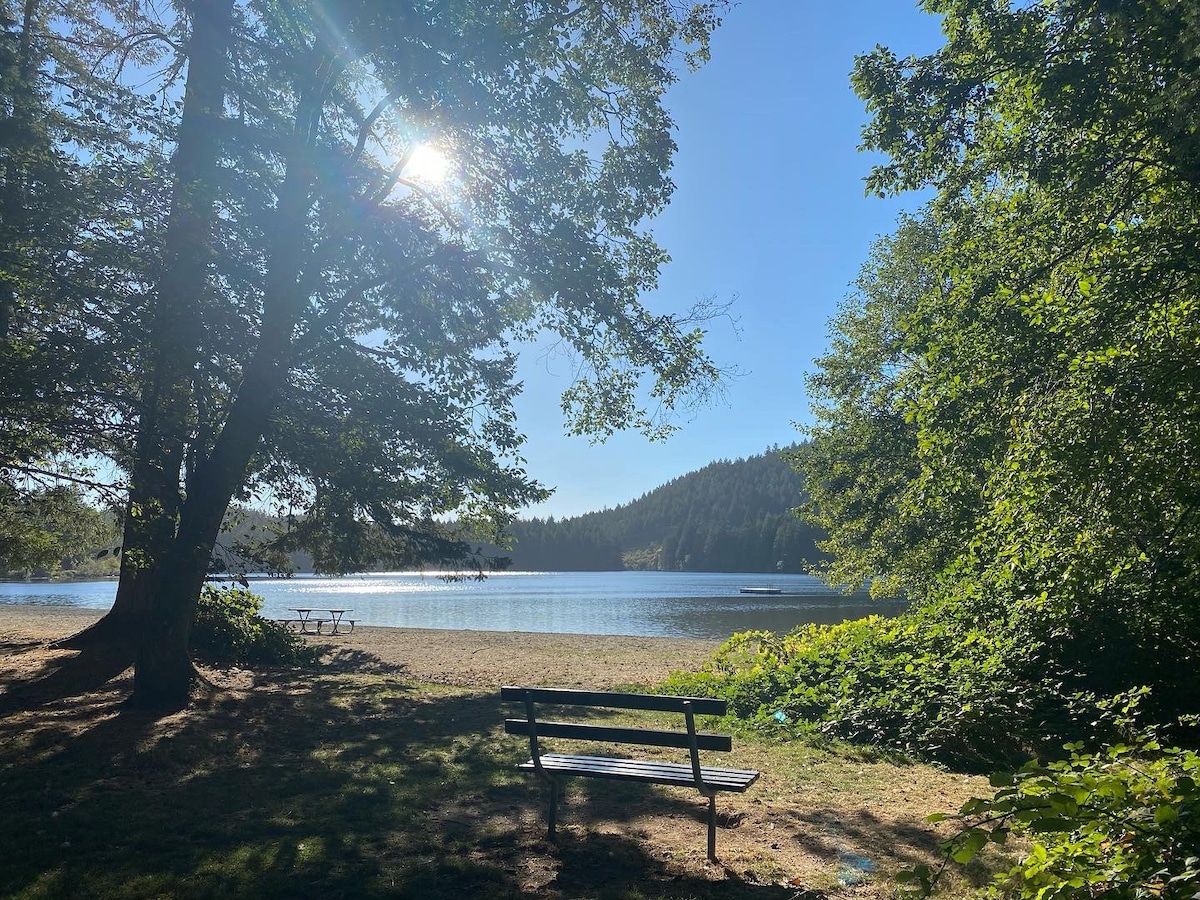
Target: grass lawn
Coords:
[(357, 785)]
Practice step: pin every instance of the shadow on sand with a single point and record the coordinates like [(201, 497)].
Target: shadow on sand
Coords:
[(330, 785)]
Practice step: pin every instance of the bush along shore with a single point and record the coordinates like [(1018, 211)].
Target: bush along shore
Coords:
[(1099, 802)]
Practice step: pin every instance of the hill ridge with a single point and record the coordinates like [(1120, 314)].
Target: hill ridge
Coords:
[(729, 515)]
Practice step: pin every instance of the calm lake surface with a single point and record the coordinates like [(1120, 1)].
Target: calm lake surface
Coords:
[(647, 604)]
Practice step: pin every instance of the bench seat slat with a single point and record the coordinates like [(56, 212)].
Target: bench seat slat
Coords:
[(654, 762), (701, 706), (677, 774), (649, 737)]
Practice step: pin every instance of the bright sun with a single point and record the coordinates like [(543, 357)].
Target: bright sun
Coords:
[(427, 163)]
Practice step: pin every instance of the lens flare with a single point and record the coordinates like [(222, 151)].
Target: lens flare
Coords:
[(428, 164)]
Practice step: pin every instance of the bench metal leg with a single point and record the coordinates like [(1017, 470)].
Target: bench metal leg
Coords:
[(712, 829), (553, 814)]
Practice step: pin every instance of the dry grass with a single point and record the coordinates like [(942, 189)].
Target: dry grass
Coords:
[(374, 785)]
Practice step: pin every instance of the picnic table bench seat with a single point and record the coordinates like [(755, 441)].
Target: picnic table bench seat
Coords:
[(341, 626), (551, 767)]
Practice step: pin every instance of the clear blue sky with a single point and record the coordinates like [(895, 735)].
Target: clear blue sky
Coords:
[(769, 206)]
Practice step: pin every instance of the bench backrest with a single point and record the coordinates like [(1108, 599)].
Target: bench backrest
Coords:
[(534, 728), (701, 706)]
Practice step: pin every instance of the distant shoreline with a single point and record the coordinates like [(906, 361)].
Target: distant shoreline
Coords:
[(428, 573), (60, 579)]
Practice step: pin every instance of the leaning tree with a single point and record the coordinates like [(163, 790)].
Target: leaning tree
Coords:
[(325, 327)]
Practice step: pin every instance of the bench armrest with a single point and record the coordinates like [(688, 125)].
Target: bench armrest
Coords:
[(535, 752), (694, 750)]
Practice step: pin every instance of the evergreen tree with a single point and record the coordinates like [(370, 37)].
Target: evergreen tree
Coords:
[(725, 517)]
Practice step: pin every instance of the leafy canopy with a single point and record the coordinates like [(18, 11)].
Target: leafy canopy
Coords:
[(1007, 417), (377, 311)]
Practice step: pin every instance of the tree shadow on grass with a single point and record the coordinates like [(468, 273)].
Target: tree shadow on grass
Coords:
[(861, 833), (41, 674), (321, 786), (824, 833), (20, 646), (37, 673), (609, 865)]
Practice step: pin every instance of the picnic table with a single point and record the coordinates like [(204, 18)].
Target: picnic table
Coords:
[(312, 615)]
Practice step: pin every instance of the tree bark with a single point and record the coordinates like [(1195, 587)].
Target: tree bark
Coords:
[(163, 671), (169, 539), (152, 514), (150, 575)]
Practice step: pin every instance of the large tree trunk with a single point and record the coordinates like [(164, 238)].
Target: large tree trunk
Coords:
[(169, 539), (154, 574), (163, 671), (153, 510)]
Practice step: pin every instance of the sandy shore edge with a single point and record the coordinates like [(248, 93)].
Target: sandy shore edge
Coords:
[(471, 658)]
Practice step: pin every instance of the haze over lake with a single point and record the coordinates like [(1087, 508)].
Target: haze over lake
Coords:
[(648, 604)]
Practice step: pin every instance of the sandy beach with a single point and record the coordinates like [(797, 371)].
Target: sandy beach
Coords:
[(470, 658), (404, 724)]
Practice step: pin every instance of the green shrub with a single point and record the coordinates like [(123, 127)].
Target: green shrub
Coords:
[(229, 630), (1121, 822), (924, 683)]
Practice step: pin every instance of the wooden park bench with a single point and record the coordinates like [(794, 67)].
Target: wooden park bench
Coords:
[(553, 767)]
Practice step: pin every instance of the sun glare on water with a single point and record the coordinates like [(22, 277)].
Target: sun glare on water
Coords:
[(428, 164)]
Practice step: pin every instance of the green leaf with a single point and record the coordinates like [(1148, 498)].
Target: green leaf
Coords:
[(1166, 813), (972, 842), (1047, 824)]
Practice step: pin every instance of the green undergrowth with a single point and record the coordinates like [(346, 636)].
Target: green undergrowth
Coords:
[(1113, 813), (915, 684), (1119, 822), (230, 630)]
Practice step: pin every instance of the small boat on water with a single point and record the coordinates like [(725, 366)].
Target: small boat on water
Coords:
[(762, 590)]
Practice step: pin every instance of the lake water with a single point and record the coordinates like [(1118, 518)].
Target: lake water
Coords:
[(648, 604)]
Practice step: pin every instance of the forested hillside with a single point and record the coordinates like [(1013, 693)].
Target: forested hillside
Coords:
[(731, 516)]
